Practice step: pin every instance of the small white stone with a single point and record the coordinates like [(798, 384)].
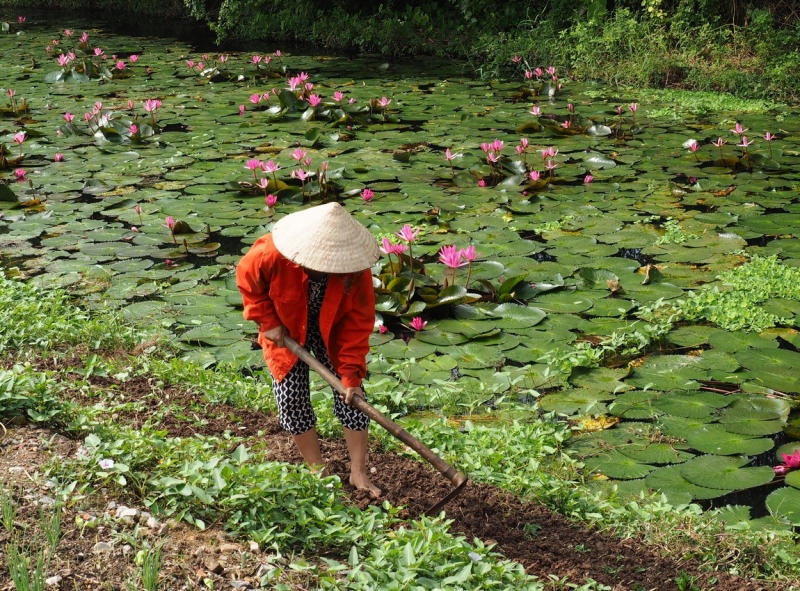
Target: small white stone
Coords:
[(254, 547), (373, 470), (152, 522), (102, 547), (126, 549), (52, 581), (16, 469), (228, 548)]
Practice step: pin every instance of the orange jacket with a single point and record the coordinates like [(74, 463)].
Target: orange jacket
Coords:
[(275, 291)]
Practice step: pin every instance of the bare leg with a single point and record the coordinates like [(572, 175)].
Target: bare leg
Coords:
[(308, 444), (357, 445)]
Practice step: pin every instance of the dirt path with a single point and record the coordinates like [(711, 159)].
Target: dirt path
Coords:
[(544, 542)]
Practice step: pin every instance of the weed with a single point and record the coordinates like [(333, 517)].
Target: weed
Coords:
[(51, 525), (531, 529), (9, 508), (686, 582), (151, 563), (18, 565)]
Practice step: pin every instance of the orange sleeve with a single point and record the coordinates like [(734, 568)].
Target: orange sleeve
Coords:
[(253, 276), (354, 329)]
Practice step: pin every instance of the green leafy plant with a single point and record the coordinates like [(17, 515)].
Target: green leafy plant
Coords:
[(19, 564), (9, 508)]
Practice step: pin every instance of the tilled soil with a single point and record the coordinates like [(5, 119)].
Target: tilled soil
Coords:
[(544, 542)]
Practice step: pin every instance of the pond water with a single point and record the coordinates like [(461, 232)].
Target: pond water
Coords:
[(561, 260)]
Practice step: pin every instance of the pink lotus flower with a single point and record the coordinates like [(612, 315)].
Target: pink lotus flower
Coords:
[(528, 74), (550, 152), (693, 146), (769, 137), (367, 195), (538, 72), (407, 234), (781, 470), (451, 256), (63, 60), (11, 93), (190, 64), (738, 130), (88, 117), (719, 143), (130, 105), (256, 59), (382, 329), (266, 96), (523, 141), (271, 166), (241, 109), (20, 174), (299, 173), (253, 164), (551, 165), (481, 183), (633, 107), (98, 52), (299, 154), (223, 58), (793, 460), (134, 58), (308, 87), (170, 222), (588, 179), (570, 107), (270, 200), (486, 147), (417, 323), (619, 110), (468, 253), (294, 83), (534, 175), (497, 145), (338, 96), (67, 32), (567, 124), (744, 143), (551, 70), (492, 158), (314, 100), (168, 262), (84, 37), (137, 209), (21, 19), (277, 53), (384, 102), (255, 98), (58, 157), (120, 65), (386, 246), (535, 110), (133, 129), (449, 156), (151, 105), (352, 101), (516, 59), (520, 150), (19, 137), (48, 49), (71, 56)]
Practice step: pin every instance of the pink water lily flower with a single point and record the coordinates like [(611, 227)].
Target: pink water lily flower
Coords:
[(277, 53), (63, 60), (633, 107), (567, 124), (745, 142), (719, 143), (516, 59), (384, 102), (170, 222), (134, 58), (367, 195), (535, 110), (120, 65), (98, 52), (84, 37), (253, 164), (417, 323), (492, 158), (241, 109), (468, 253), (539, 73), (338, 96), (20, 174), (190, 64), (299, 154), (551, 70), (769, 137), (449, 156), (486, 147), (58, 157), (271, 166), (382, 329), (523, 141), (497, 145), (451, 256), (407, 233), (588, 179), (21, 19), (223, 58), (256, 59), (11, 93), (67, 33), (271, 200), (570, 107), (738, 129), (134, 129), (299, 173), (19, 137), (314, 100), (481, 183), (528, 74), (534, 175), (255, 98), (151, 105)]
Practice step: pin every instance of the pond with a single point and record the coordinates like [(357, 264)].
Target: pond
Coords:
[(606, 249)]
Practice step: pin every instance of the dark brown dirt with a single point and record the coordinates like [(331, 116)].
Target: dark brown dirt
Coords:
[(544, 542)]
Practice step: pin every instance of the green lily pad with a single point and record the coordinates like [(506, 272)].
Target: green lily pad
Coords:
[(725, 472)]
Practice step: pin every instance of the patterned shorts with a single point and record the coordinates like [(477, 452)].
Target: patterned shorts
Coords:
[(292, 392)]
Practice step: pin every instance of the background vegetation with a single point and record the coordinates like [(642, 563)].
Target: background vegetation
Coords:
[(747, 49)]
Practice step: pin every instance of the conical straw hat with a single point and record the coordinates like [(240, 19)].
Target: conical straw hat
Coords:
[(326, 238)]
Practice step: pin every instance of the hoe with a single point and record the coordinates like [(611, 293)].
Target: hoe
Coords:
[(454, 476)]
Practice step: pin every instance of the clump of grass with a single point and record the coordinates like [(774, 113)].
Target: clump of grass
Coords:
[(152, 561), (9, 509)]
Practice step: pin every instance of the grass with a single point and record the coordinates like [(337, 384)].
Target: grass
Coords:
[(205, 479)]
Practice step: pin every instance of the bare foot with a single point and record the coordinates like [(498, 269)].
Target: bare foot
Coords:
[(362, 482)]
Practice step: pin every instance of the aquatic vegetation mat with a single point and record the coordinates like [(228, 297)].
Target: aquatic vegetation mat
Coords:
[(639, 272)]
